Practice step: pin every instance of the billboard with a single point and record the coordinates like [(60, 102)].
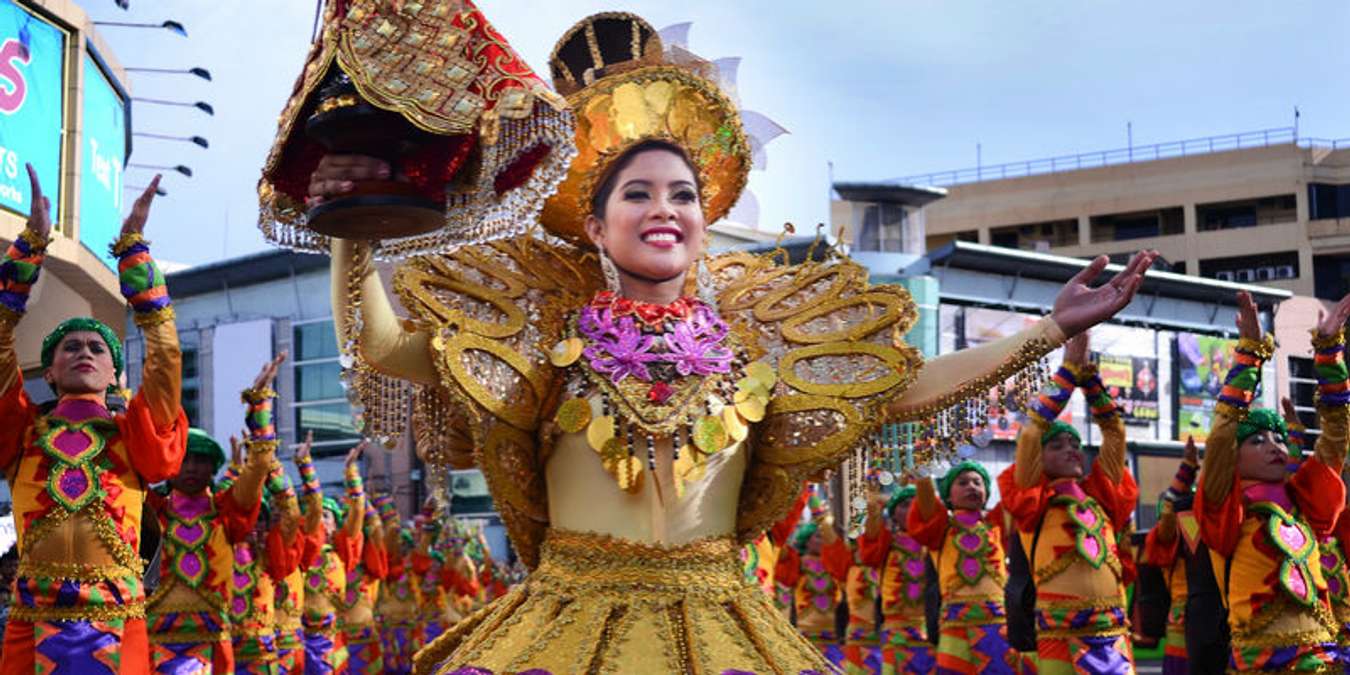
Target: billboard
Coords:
[(983, 325), (1133, 382), (1202, 362), (103, 151), (32, 106)]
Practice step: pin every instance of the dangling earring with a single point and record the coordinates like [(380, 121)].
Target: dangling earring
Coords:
[(707, 292), (610, 270)]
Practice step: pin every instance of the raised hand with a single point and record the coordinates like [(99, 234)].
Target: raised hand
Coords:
[(302, 455), (337, 174), (140, 209), (1330, 324), (354, 455), (40, 211), (1079, 307), (269, 372), (1076, 349), (1248, 323), (1191, 453), (236, 451)]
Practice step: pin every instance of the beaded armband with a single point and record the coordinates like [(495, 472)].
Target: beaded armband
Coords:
[(1055, 395), (258, 417), (141, 280), (1098, 398), (1333, 386), (386, 507), (1181, 482), (355, 487), (277, 483), (309, 478), (19, 270), (1298, 438), (1239, 386)]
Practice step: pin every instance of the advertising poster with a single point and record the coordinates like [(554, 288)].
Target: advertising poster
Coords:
[(1133, 382), (31, 105), (1202, 361), (103, 151), (986, 325)]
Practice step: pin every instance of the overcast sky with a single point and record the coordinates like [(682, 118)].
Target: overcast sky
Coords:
[(880, 88)]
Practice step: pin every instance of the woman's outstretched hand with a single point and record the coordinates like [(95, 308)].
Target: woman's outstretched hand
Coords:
[(140, 209), (40, 210), (1078, 307)]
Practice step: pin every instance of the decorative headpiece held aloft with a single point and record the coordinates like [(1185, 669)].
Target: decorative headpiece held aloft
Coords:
[(625, 87)]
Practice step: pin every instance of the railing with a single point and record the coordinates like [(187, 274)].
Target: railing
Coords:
[(1129, 155)]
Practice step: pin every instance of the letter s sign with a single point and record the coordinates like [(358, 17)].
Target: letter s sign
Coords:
[(13, 89)]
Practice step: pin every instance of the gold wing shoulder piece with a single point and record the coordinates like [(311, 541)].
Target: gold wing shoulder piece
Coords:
[(444, 69), (835, 343), (494, 313)]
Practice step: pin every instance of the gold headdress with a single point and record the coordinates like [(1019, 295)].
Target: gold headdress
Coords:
[(624, 88)]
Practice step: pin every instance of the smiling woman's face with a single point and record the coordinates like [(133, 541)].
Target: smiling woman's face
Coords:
[(651, 224), (82, 364)]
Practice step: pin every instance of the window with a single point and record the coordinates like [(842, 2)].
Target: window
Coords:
[(1137, 225), (1247, 269), (937, 241), (1302, 387), (320, 404), (1331, 276), (192, 386), (1246, 213), (883, 228), (1326, 200), (1036, 236)]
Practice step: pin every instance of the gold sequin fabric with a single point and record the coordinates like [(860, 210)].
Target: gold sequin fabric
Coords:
[(602, 605), (495, 313)]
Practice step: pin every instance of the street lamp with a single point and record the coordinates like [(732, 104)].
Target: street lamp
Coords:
[(199, 72), (171, 26), (141, 188), (185, 170), (195, 140), (200, 105)]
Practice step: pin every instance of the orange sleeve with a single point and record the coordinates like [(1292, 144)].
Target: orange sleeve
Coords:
[(783, 529), (1319, 493), (237, 520), (19, 412), (1220, 523), (872, 550), (156, 452), (310, 547), (928, 531), (377, 564), (421, 563), (788, 568), (396, 564), (348, 548), (282, 556), (836, 558), (1026, 505), (1159, 553), (1117, 499)]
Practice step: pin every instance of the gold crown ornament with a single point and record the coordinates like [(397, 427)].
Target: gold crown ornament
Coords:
[(624, 87), (432, 87)]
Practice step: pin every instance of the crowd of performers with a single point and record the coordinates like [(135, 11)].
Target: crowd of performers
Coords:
[(927, 587), (255, 576)]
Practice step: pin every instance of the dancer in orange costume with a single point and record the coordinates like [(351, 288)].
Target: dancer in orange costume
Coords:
[(79, 473), (1262, 523), (356, 618), (904, 637), (396, 611), (1162, 548)]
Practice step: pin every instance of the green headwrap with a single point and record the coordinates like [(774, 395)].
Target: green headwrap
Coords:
[(82, 324), (200, 443), (899, 495), (1056, 428), (405, 536), (945, 483), (803, 535), (1263, 419), (334, 507)]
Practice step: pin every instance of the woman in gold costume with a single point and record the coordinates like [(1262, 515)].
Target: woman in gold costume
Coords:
[(639, 408)]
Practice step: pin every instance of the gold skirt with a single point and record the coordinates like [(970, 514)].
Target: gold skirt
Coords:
[(597, 604)]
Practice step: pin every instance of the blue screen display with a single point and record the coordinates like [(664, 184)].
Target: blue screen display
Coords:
[(32, 93), (103, 151)]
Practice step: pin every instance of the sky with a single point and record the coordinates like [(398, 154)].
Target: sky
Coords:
[(875, 89)]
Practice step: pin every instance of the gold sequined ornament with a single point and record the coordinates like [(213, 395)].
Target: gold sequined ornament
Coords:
[(573, 416), (625, 468), (762, 373), (688, 469), (600, 432), (709, 435), (566, 352), (736, 427), (752, 409)]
